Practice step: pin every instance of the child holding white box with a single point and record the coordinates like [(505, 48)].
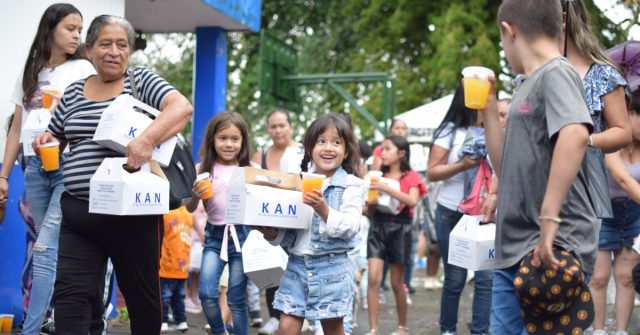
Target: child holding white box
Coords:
[(318, 272), (225, 146)]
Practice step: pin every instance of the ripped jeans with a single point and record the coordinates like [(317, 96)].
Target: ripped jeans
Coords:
[(43, 193)]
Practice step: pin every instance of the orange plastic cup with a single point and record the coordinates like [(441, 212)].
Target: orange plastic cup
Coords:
[(311, 181), (7, 323), (50, 155), (476, 86), (206, 178), (374, 177), (47, 100)]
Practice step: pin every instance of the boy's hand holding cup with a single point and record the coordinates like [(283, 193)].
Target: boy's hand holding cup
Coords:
[(477, 85)]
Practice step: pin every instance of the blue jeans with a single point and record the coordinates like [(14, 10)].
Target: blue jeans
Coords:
[(623, 228), (173, 295), (505, 310), (210, 272), (455, 279), (43, 193)]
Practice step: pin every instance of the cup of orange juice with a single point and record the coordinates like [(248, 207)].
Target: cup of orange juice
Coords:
[(47, 93), (6, 323), (374, 178), (50, 155), (311, 181), (206, 184), (476, 86)]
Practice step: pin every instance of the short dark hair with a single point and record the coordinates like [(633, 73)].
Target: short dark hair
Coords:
[(533, 18)]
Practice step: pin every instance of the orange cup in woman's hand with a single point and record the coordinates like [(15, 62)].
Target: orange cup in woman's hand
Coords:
[(50, 155)]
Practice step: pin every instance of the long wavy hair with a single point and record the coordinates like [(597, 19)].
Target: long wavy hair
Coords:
[(40, 50), (219, 122), (579, 30), (318, 127)]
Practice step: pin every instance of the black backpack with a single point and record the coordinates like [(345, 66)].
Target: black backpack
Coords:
[(181, 172)]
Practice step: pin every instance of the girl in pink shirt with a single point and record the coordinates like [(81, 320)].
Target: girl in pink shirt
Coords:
[(225, 146)]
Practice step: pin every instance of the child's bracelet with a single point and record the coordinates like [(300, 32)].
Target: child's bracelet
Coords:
[(555, 219)]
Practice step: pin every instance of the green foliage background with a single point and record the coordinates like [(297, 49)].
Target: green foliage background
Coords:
[(422, 44)]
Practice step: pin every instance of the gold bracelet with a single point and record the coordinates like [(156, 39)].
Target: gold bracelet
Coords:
[(555, 219)]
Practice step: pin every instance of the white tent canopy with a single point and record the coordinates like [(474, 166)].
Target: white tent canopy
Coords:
[(423, 120)]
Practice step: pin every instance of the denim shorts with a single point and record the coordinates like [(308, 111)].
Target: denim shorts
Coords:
[(316, 287), (620, 231)]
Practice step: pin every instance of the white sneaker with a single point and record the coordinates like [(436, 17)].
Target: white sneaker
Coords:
[(621, 332), (432, 283), (599, 332), (255, 322), (164, 328), (448, 333), (270, 327), (182, 326)]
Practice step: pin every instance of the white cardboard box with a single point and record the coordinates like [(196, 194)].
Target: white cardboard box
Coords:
[(36, 123), (386, 203), (471, 245), (263, 263), (262, 205), (120, 123), (115, 191)]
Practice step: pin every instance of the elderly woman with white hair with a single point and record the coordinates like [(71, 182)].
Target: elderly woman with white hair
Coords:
[(87, 240)]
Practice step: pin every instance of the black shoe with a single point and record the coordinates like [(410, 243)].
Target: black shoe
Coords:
[(48, 327)]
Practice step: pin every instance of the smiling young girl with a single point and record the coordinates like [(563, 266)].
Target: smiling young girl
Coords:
[(225, 146), (390, 235), (318, 274)]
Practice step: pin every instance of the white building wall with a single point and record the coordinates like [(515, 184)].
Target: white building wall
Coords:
[(19, 22)]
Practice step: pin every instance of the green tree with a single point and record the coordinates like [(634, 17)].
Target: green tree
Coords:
[(422, 44)]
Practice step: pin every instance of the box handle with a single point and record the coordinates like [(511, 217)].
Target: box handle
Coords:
[(268, 179)]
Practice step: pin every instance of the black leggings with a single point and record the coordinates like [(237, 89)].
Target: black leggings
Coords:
[(86, 241), (270, 294)]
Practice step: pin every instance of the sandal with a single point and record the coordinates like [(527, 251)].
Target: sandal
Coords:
[(402, 330)]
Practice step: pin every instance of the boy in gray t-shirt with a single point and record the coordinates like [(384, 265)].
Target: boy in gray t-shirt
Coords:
[(542, 198)]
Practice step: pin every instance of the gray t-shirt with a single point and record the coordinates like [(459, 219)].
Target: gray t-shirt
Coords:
[(551, 98)]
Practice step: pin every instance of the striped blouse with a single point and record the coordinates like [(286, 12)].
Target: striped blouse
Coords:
[(76, 118)]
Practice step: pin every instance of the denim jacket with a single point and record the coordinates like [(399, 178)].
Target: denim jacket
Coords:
[(344, 193)]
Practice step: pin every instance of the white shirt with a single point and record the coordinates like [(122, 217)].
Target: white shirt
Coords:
[(59, 77), (452, 189)]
